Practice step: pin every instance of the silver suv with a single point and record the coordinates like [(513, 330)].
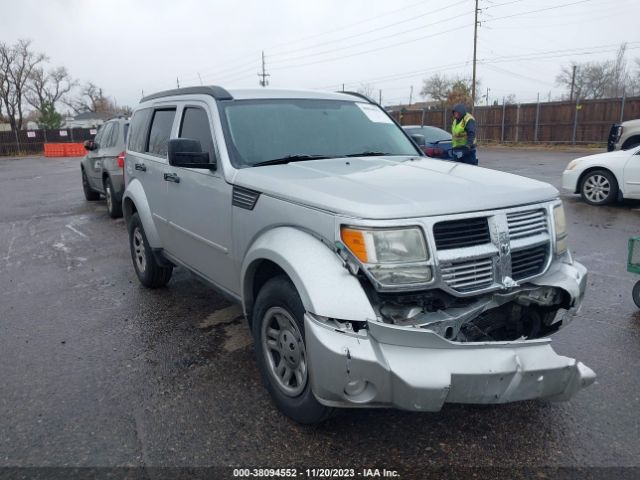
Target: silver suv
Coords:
[(102, 168), (369, 274)]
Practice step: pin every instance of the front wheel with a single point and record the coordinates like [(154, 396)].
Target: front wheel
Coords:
[(636, 294), (278, 332), (150, 273), (599, 187)]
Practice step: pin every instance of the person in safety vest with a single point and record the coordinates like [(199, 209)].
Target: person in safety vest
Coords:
[(463, 133)]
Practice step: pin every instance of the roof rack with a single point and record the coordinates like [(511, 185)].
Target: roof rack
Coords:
[(359, 95), (214, 91)]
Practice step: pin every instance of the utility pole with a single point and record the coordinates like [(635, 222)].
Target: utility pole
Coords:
[(177, 82), (380, 97), (263, 76), (573, 83), (411, 95), (200, 78), (488, 89), (475, 45), (343, 87)]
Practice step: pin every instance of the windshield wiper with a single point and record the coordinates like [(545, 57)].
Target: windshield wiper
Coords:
[(368, 154), (289, 158)]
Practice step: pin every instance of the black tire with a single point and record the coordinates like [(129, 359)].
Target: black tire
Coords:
[(114, 206), (150, 273), (636, 294), (278, 301), (599, 187), (89, 193)]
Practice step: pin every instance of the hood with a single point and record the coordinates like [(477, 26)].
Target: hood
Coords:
[(393, 187), (603, 158)]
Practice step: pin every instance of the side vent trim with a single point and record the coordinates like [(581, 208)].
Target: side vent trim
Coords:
[(244, 198)]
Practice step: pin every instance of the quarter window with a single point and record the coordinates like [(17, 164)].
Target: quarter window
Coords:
[(195, 125), (160, 132), (139, 126)]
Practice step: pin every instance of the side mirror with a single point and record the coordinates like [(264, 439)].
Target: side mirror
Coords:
[(419, 139), (187, 153), (90, 145)]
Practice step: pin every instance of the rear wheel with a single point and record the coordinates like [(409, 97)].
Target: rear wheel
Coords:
[(114, 207), (150, 273), (599, 187), (89, 193), (278, 331)]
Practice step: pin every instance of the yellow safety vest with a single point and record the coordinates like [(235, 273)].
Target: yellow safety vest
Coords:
[(458, 133)]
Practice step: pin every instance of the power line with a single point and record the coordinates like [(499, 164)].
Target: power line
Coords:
[(536, 11), (372, 50), (412, 18)]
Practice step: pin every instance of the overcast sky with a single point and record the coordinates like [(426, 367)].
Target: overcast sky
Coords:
[(127, 47)]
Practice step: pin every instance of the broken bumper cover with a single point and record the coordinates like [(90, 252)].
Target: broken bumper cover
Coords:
[(415, 369)]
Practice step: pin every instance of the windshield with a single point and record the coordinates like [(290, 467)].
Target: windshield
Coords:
[(260, 131)]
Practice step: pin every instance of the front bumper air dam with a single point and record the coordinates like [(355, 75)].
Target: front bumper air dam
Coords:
[(415, 369)]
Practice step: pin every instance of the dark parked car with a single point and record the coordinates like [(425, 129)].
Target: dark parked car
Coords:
[(103, 166), (433, 141)]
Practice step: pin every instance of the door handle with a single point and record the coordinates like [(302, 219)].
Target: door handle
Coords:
[(140, 166), (172, 177)]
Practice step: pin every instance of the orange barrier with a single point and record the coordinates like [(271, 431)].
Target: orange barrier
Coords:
[(64, 150)]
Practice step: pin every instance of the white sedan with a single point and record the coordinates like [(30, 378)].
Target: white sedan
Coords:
[(604, 177)]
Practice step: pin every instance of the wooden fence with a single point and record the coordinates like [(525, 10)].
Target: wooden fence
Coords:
[(585, 122)]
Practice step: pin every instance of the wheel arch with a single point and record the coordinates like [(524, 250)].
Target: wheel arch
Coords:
[(593, 169), (631, 141), (135, 201), (325, 287)]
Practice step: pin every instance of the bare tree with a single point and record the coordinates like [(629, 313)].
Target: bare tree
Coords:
[(604, 79), (436, 87), (17, 62), (367, 90), (46, 89), (448, 90), (91, 99)]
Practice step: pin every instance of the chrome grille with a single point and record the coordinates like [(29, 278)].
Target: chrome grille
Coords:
[(468, 275), (528, 262), (527, 223), (461, 233)]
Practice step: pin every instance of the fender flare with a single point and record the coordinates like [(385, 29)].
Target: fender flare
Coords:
[(135, 194), (326, 288)]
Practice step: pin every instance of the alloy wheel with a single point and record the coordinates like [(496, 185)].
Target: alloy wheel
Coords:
[(284, 351), (597, 188)]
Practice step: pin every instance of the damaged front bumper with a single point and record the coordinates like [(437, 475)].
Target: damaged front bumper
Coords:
[(414, 368)]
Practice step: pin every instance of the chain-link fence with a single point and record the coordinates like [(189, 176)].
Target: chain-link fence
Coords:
[(32, 142)]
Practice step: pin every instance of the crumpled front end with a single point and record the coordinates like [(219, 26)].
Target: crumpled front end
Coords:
[(431, 358)]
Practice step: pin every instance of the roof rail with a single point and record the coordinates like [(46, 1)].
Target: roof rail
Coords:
[(216, 92), (359, 95)]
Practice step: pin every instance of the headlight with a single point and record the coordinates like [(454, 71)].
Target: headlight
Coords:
[(392, 256), (560, 223), (573, 164)]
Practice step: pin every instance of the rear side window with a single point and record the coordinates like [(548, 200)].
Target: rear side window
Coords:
[(160, 132), (107, 131), (195, 125), (111, 140), (139, 128)]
